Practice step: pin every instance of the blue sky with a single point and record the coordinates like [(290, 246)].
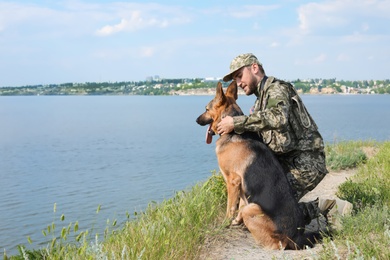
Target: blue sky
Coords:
[(43, 42)]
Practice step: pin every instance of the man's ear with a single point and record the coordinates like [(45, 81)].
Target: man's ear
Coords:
[(255, 68)]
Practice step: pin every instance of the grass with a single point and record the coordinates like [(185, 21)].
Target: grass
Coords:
[(177, 228), (365, 234), (345, 155), (371, 186), (174, 229)]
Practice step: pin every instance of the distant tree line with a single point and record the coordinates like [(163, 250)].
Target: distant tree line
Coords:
[(172, 86)]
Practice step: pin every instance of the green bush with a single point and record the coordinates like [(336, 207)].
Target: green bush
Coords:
[(366, 233), (344, 155), (371, 185)]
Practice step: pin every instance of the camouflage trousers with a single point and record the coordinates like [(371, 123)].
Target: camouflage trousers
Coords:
[(304, 170)]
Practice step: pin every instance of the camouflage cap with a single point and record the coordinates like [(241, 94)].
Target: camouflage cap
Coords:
[(240, 61)]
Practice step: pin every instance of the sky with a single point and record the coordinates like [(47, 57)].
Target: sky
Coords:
[(54, 42)]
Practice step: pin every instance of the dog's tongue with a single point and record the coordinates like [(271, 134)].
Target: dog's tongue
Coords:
[(209, 137)]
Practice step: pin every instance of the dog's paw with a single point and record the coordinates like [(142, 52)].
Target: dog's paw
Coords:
[(236, 222)]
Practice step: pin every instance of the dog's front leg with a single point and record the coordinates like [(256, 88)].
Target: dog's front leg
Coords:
[(233, 183), (243, 202)]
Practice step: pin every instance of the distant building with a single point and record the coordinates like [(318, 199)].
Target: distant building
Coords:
[(153, 78), (211, 79)]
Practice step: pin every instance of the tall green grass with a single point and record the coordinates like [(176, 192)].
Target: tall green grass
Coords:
[(365, 234), (177, 228), (345, 155), (371, 185), (173, 229)]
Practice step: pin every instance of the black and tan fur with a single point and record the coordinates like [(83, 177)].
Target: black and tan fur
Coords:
[(258, 190)]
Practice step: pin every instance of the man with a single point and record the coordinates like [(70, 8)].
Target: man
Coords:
[(280, 117)]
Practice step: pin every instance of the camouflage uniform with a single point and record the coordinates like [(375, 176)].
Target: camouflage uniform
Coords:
[(280, 117)]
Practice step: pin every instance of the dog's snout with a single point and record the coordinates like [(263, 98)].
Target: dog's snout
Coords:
[(203, 120), (199, 120)]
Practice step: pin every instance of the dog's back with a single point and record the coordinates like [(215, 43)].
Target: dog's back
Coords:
[(267, 186)]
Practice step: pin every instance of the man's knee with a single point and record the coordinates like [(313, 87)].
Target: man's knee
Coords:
[(309, 170)]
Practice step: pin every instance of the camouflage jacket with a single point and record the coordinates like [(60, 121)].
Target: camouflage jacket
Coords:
[(281, 118)]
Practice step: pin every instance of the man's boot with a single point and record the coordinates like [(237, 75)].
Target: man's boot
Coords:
[(333, 209)]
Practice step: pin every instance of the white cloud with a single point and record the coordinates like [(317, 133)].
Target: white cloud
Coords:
[(147, 51), (343, 57), (339, 15), (108, 29), (133, 23), (316, 15), (358, 37), (23, 20), (84, 18), (328, 33), (256, 26), (365, 27), (320, 58), (249, 11), (138, 17)]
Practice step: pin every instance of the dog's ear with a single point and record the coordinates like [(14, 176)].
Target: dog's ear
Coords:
[(220, 96), (232, 90)]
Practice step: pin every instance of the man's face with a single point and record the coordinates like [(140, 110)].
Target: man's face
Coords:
[(246, 80)]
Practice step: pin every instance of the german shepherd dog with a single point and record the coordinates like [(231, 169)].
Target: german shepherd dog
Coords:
[(255, 180)]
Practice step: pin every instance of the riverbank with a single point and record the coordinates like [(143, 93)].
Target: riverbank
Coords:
[(238, 244), (185, 86), (211, 92)]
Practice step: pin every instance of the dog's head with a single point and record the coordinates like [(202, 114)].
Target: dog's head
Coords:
[(220, 106)]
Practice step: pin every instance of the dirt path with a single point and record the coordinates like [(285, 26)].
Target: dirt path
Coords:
[(238, 244)]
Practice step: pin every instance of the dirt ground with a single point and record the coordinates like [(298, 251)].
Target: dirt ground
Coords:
[(238, 243)]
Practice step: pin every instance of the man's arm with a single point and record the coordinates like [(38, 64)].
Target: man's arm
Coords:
[(274, 116)]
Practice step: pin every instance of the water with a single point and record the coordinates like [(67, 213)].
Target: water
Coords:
[(351, 117), (122, 152)]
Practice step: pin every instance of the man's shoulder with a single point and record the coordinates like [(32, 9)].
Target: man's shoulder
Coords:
[(276, 80), (274, 83)]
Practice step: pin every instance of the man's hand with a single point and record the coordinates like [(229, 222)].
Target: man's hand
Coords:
[(226, 125)]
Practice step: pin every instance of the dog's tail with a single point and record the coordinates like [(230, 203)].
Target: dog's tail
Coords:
[(302, 241)]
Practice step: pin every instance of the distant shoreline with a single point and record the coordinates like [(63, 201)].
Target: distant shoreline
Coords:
[(211, 92), (188, 87), (185, 92)]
